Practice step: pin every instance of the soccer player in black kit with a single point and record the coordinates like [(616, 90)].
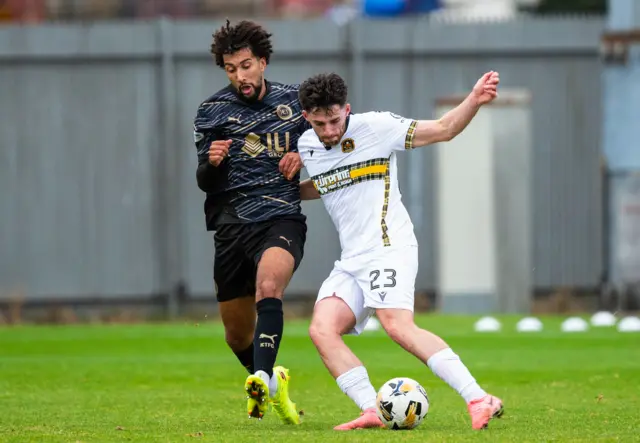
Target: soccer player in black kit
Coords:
[(246, 135)]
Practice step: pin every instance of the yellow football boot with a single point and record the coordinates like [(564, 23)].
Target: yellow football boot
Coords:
[(257, 396), (284, 408)]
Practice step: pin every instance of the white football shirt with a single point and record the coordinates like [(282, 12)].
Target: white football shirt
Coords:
[(358, 181)]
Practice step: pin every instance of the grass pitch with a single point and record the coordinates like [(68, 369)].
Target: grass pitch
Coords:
[(179, 382)]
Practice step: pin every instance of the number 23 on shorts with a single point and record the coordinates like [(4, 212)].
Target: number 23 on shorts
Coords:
[(385, 278)]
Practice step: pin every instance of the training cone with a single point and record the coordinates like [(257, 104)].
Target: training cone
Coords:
[(487, 324), (603, 319), (372, 324), (529, 324), (629, 324), (574, 324)]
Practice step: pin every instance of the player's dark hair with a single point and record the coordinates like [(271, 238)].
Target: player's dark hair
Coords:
[(322, 91), (245, 34)]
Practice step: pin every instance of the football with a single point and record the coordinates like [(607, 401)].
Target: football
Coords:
[(402, 403)]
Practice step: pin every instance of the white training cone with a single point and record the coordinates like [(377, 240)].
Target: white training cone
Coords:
[(487, 324), (603, 319), (372, 324), (629, 324), (529, 324), (574, 324)]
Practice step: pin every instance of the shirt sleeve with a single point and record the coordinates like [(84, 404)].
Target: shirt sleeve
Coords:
[(395, 131), (204, 132)]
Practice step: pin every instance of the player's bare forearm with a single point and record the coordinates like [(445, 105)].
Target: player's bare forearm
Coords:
[(459, 118), (308, 191), (454, 121), (448, 126)]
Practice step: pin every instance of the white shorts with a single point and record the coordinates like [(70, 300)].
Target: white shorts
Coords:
[(376, 280)]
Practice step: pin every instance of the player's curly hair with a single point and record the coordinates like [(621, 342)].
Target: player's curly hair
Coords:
[(245, 34), (322, 91)]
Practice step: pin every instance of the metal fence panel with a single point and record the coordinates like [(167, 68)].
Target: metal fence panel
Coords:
[(94, 116), (77, 177)]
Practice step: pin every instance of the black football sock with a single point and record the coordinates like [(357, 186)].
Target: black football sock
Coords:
[(268, 334), (246, 358)]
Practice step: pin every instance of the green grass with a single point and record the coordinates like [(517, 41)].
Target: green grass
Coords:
[(178, 382)]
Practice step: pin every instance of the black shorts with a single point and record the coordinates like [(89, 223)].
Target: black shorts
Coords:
[(239, 247)]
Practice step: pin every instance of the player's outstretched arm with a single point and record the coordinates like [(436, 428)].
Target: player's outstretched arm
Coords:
[(453, 122), (308, 191)]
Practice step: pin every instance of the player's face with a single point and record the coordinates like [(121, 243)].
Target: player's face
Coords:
[(329, 124), (246, 73)]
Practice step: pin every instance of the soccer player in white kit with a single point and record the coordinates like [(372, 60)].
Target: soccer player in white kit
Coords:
[(351, 161)]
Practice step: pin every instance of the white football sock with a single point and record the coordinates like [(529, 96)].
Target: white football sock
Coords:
[(264, 376), (355, 383), (272, 382), (273, 385), (447, 365)]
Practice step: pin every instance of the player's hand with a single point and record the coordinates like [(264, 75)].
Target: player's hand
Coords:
[(290, 164), (218, 150), (486, 89)]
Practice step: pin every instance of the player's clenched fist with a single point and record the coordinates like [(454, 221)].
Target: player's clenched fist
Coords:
[(218, 150), (290, 164), (486, 89)]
